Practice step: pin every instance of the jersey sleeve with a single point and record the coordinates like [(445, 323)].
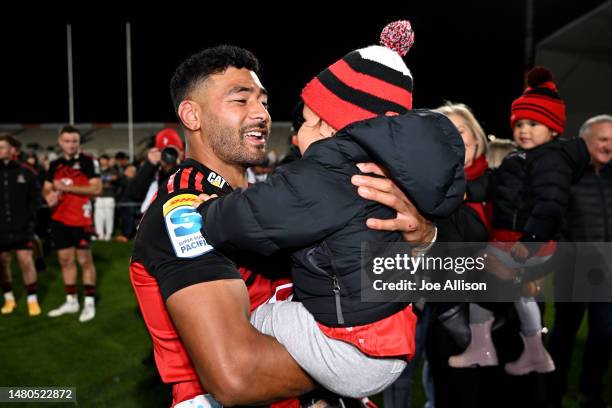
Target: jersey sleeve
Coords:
[(174, 275), (172, 248)]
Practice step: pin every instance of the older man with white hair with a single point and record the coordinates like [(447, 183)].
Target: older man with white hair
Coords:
[(588, 219)]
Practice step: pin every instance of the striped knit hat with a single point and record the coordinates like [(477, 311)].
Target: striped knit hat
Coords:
[(365, 83), (540, 102)]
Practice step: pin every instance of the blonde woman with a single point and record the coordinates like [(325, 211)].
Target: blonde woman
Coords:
[(498, 149), (475, 163)]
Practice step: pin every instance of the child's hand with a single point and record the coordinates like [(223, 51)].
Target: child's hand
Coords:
[(519, 252), (202, 198)]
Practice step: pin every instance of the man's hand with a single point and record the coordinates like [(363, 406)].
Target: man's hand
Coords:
[(94, 188), (59, 185), (413, 226), (154, 156)]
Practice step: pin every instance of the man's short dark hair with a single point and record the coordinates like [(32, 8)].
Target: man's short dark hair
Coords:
[(11, 140), (69, 129), (208, 62), (120, 156)]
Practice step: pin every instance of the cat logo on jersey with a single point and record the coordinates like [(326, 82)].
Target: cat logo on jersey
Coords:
[(183, 223), (216, 180)]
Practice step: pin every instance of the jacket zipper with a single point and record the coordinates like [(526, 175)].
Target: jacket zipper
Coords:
[(334, 278), (339, 315)]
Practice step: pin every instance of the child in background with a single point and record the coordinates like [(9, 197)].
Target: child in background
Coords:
[(529, 193)]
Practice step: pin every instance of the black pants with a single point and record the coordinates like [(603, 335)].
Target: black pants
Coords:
[(597, 350), (484, 387), (399, 394), (129, 219)]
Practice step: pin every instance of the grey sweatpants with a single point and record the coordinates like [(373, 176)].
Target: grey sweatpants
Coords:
[(336, 365)]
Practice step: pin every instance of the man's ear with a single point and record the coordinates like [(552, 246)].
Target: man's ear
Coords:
[(190, 114), (326, 130)]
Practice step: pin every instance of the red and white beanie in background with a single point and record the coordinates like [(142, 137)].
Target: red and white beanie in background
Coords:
[(365, 83)]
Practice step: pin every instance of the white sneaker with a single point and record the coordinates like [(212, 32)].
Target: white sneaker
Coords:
[(67, 307), (88, 313)]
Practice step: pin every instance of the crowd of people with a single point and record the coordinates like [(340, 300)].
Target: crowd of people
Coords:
[(64, 201), (247, 271)]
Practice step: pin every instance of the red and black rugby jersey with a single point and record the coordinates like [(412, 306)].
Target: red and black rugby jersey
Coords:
[(74, 210), (169, 243)]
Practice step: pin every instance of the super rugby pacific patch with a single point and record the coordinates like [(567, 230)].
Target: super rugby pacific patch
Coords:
[(183, 223)]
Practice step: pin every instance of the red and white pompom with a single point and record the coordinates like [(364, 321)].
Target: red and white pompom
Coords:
[(398, 36)]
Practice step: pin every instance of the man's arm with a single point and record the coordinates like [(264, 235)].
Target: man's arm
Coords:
[(93, 189), (137, 189), (49, 194), (235, 363)]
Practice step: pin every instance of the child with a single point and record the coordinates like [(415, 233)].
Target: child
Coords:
[(309, 207), (529, 193)]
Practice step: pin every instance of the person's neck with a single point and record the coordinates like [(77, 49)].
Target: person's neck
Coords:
[(597, 166), (70, 156), (235, 175)]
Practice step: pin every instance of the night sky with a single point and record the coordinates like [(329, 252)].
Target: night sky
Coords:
[(470, 52)]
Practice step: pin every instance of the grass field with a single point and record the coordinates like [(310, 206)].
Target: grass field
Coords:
[(103, 358)]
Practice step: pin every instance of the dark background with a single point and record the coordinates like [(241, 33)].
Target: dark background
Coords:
[(471, 52)]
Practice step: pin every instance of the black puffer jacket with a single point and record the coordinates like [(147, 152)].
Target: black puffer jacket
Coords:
[(589, 215), (311, 207), (530, 190), (20, 199)]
